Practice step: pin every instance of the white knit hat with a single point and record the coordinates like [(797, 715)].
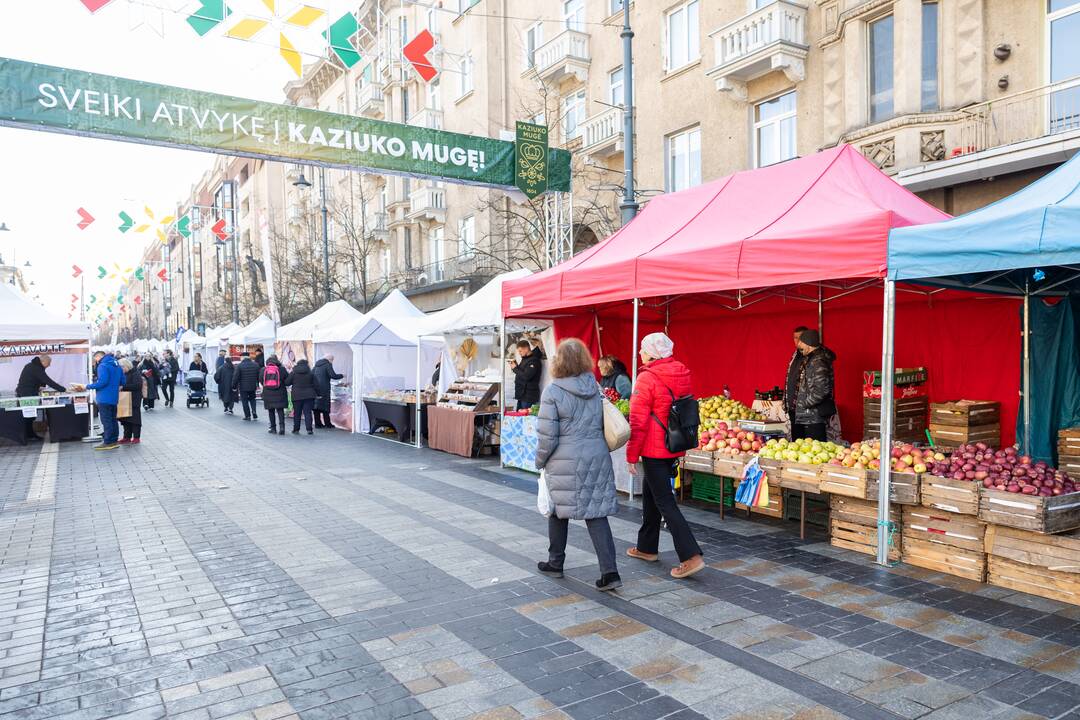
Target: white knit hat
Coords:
[(657, 345)]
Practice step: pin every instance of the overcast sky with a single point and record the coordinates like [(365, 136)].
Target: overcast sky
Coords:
[(47, 177)]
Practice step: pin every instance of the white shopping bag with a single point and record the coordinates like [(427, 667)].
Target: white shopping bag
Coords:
[(543, 497)]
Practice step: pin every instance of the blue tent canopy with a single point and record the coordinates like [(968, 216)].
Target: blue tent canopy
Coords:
[(1037, 227)]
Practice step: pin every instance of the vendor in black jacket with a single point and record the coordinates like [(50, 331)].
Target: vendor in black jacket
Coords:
[(810, 389), (32, 378), (527, 375)]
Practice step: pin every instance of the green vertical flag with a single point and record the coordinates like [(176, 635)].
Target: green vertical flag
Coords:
[(531, 159)]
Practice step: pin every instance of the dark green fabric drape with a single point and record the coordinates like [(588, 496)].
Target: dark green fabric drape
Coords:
[(1055, 377)]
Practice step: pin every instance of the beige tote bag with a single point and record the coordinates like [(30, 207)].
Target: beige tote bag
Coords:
[(616, 427)]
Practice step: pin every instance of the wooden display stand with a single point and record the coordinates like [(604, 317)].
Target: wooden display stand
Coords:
[(1043, 565), (853, 526), (463, 421), (945, 541)]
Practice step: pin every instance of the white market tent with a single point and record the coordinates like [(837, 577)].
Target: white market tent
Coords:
[(329, 317), (214, 340), (260, 331), (194, 342), (394, 339), (23, 320)]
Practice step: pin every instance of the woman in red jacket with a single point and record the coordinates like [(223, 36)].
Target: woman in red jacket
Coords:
[(662, 379)]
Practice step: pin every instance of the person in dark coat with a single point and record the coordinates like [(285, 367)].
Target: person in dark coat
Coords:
[(302, 383), (149, 369), (133, 383), (260, 359), (527, 373), (275, 396), (223, 376), (323, 373), (32, 378), (197, 364), (810, 401), (576, 461), (167, 377), (220, 360), (246, 382), (613, 375)]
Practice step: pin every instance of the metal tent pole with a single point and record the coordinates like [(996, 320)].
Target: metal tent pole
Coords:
[(820, 314), (887, 378), (1027, 369), (634, 349), (416, 427), (502, 384)]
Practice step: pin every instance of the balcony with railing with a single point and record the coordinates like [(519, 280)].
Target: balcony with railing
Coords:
[(602, 134), (1021, 131), (564, 55), (378, 224), (771, 38), (428, 202), (427, 117), (463, 268), (370, 101)]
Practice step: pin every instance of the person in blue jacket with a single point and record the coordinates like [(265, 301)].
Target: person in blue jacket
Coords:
[(107, 392)]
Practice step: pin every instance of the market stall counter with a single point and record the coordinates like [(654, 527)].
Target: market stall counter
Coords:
[(67, 415), (397, 412)]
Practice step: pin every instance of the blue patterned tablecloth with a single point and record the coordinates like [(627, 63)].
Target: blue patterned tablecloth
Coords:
[(518, 442)]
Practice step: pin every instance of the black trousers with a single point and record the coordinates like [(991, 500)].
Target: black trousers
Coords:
[(658, 501), (302, 407), (599, 531), (168, 390), (247, 401), (322, 418), (277, 418), (132, 430), (810, 431)]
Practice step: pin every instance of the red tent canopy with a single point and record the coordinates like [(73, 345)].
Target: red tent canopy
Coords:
[(817, 218)]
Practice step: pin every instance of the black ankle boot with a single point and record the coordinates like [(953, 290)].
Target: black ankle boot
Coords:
[(609, 581), (549, 569)]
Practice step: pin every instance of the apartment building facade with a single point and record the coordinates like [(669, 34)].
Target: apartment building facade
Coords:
[(962, 101)]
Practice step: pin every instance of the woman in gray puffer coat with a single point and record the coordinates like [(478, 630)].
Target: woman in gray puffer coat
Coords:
[(576, 462)]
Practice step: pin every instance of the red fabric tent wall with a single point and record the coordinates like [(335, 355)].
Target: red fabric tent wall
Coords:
[(970, 345)]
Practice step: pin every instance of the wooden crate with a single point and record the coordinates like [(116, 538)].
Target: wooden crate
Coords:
[(953, 436), (962, 532), (1046, 515), (729, 466), (1069, 464), (1043, 565), (1069, 442), (800, 476), (698, 460), (957, 496), (965, 413), (840, 480), (770, 467), (943, 558), (860, 512), (860, 538), (903, 487), (776, 503)]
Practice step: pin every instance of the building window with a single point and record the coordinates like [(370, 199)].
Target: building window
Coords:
[(466, 235), (465, 75), (881, 69), (682, 38), (774, 130), (433, 20), (539, 118), (464, 5), (1064, 33), (929, 89), (615, 86), (615, 6), (573, 13), (573, 115), (408, 246), (534, 38), (438, 250), (434, 96), (682, 167)]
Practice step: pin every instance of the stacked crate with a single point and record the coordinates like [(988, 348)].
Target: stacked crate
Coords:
[(853, 525), (962, 422), (910, 405), (1069, 451), (944, 541), (1044, 565)]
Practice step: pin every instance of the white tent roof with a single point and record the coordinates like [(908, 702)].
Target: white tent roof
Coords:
[(395, 321), (23, 319), (259, 331), (191, 337), (328, 318), (482, 309), (214, 336)]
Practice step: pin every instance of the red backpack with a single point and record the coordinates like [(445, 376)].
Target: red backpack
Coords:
[(272, 377)]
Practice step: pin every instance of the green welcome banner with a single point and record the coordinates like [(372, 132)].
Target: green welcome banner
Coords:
[(42, 97)]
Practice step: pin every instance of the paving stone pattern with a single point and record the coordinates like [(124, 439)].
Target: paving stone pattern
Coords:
[(217, 571)]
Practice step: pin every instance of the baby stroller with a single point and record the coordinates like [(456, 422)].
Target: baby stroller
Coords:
[(196, 389)]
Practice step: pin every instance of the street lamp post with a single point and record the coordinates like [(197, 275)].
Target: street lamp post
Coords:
[(303, 183), (629, 205)]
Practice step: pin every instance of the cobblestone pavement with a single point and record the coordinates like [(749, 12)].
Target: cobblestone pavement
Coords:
[(217, 571)]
